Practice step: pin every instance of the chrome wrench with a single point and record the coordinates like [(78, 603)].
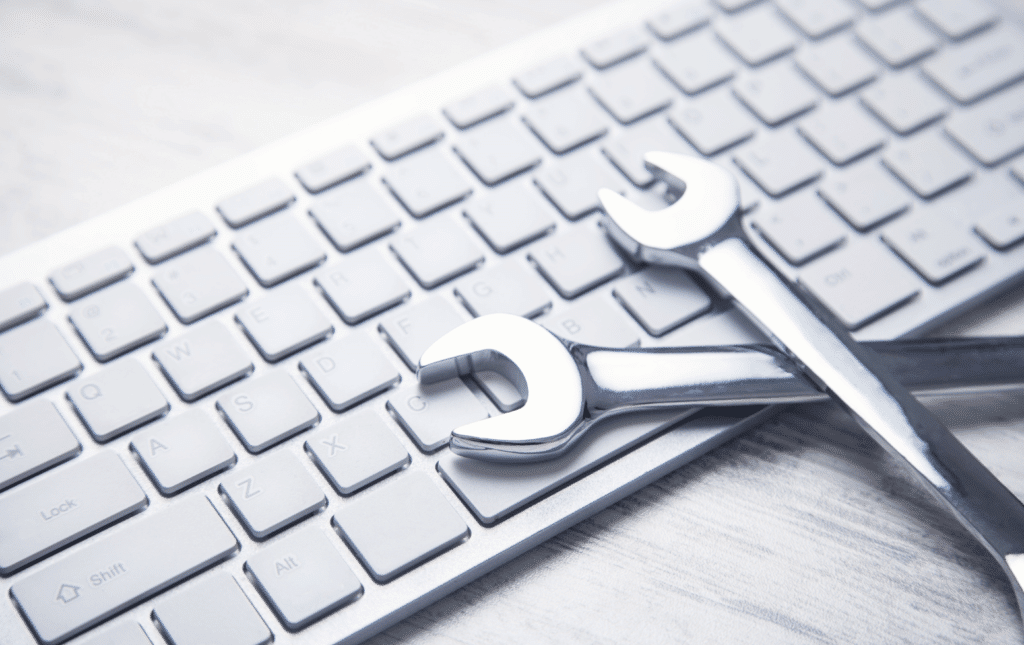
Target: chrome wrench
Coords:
[(571, 387), (702, 232)]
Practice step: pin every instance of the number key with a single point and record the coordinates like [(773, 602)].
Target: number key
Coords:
[(117, 320)]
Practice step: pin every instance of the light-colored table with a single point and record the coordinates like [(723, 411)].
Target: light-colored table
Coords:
[(802, 531)]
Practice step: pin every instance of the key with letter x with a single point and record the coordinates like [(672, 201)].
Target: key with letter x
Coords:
[(357, 451)]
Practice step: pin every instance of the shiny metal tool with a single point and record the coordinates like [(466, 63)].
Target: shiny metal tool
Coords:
[(571, 387), (702, 232)]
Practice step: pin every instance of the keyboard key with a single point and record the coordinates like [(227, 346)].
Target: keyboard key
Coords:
[(199, 283), (426, 182), (479, 106), (34, 357), (957, 18), (333, 168), (1002, 228), (411, 507), (256, 201), (361, 285), (842, 131), (411, 330), (779, 162), (349, 370), (632, 91), (734, 5), (183, 450), (88, 274), (992, 131), (776, 93), (680, 18), (878, 5), (18, 304), (936, 247), (116, 320), (150, 548), (980, 66), (576, 261), (128, 633), (429, 413), (696, 62), (549, 76), (272, 493), (33, 438), (510, 216), (758, 35), (927, 163), (838, 65), (283, 322), (493, 491), (661, 298), (407, 136), (201, 360), (509, 288), (437, 251), (572, 183), (626, 151), (277, 249), (502, 393), (267, 410), (713, 122), (801, 227), (181, 234), (904, 102), (860, 282), (615, 48), (356, 452), (303, 577), (593, 320), (865, 194), (566, 120), (898, 37), (499, 390), (58, 509), (117, 399), (354, 214), (498, 150), (213, 609), (818, 18)]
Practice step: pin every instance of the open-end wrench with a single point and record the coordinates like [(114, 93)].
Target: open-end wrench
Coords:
[(702, 232), (570, 387)]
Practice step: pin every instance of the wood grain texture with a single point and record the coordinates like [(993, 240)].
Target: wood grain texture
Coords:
[(802, 531)]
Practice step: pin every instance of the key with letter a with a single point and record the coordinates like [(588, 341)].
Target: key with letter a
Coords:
[(183, 450)]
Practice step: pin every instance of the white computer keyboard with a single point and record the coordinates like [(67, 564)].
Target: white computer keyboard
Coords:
[(211, 430)]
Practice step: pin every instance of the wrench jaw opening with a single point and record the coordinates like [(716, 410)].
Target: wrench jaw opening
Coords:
[(536, 362), (678, 233)]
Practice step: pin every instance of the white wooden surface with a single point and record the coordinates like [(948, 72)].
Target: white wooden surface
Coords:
[(802, 531)]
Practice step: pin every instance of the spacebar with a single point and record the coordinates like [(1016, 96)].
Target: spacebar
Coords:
[(123, 568)]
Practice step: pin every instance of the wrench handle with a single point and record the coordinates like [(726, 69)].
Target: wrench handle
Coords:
[(762, 374), (857, 379)]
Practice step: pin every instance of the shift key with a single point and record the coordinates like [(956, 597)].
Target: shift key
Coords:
[(62, 506), (123, 568)]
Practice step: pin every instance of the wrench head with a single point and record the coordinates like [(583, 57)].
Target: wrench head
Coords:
[(706, 211), (530, 356)]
